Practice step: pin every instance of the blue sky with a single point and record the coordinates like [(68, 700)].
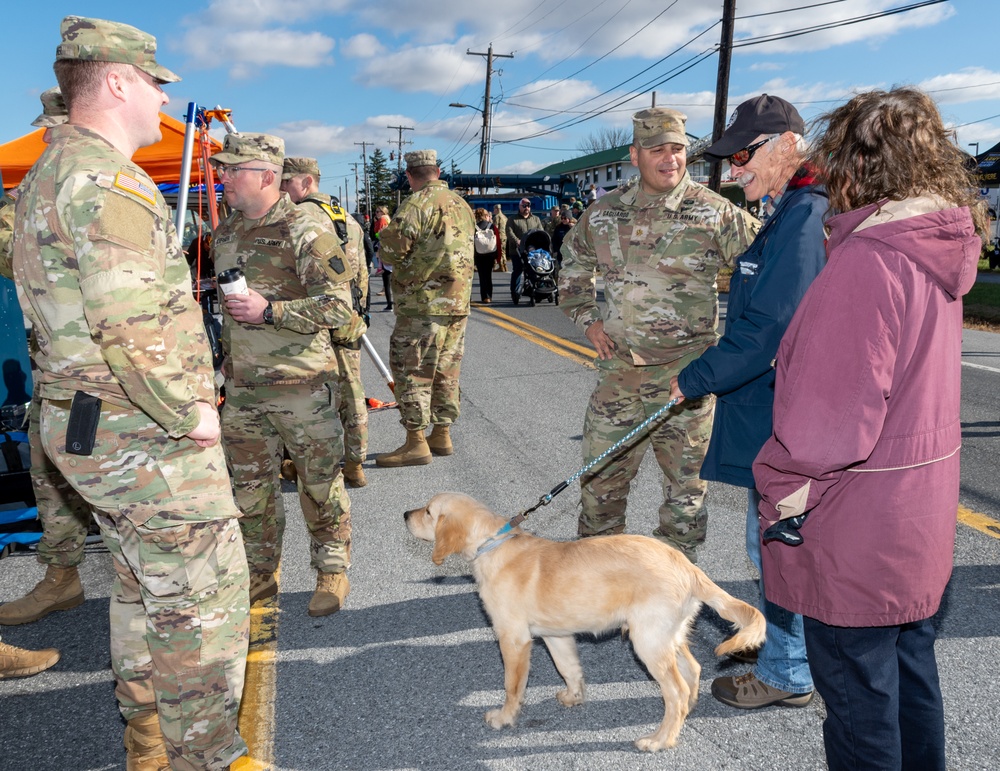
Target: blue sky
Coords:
[(329, 74)]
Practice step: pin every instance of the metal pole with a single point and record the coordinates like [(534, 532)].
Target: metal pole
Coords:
[(182, 191), (379, 365)]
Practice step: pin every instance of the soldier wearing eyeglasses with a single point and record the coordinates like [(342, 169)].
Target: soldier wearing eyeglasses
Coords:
[(658, 244), (280, 364)]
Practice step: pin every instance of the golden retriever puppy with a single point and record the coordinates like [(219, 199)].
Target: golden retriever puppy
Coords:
[(532, 587)]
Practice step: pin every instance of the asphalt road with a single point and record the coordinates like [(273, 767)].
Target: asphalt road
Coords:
[(400, 679)]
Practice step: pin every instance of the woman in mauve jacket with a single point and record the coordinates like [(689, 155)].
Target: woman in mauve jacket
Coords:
[(864, 457)]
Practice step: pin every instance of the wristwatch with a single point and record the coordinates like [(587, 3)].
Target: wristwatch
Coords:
[(269, 314)]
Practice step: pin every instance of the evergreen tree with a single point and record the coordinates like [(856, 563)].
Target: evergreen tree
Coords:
[(380, 178)]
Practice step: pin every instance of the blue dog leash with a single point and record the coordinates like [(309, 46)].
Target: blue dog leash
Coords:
[(546, 499)]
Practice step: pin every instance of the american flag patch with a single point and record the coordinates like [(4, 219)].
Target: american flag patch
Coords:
[(132, 185)]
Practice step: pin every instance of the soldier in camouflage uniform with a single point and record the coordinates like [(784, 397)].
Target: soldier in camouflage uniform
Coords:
[(658, 244), (128, 403), (500, 220), (300, 179), (429, 245), (63, 514), (280, 365)]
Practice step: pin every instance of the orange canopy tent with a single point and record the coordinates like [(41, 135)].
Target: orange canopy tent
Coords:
[(161, 161)]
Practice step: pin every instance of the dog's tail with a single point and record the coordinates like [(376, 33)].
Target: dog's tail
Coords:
[(748, 621)]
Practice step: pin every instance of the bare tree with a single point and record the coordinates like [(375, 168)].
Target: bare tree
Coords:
[(605, 139)]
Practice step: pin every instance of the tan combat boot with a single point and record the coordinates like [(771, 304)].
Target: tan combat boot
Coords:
[(262, 586), (354, 475), (18, 662), (288, 471), (440, 440), (59, 590), (331, 591), (414, 453), (144, 741)]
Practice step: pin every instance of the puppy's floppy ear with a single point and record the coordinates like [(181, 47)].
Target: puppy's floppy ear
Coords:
[(449, 537)]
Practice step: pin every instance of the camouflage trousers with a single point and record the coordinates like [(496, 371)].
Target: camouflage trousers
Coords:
[(625, 396), (425, 357), (180, 599), (256, 423), (351, 404), (64, 515)]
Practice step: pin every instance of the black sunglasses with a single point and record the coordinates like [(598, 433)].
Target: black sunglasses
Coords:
[(742, 157)]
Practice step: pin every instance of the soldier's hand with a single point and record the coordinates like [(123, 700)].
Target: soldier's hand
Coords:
[(246, 308), (208, 430), (603, 344), (675, 390)]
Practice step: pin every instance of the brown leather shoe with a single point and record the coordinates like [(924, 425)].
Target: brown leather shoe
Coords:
[(747, 692)]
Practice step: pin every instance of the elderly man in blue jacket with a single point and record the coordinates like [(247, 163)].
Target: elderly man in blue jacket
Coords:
[(766, 152)]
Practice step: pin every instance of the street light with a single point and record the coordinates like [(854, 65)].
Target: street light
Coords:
[(976, 145), (484, 145)]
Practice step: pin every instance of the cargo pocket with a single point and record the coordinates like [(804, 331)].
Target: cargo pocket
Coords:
[(177, 548), (206, 717)]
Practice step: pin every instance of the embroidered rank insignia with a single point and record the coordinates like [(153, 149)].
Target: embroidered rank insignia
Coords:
[(134, 186)]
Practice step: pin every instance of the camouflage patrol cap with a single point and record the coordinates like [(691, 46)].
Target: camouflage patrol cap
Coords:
[(53, 109), (240, 148), (292, 167), (657, 126), (97, 40), (421, 158)]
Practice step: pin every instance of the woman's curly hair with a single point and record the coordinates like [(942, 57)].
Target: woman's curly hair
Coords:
[(893, 144)]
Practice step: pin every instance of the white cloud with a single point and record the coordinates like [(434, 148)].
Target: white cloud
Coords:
[(971, 84), (314, 138), (227, 14), (521, 167), (439, 69), (362, 46), (247, 51)]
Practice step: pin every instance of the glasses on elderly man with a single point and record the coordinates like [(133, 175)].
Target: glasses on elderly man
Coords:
[(525, 205), (223, 169), (742, 157)]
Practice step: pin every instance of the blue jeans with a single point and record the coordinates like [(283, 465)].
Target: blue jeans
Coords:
[(883, 699), (781, 662)]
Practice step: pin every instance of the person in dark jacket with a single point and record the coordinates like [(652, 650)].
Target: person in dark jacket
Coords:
[(867, 431), (766, 153), (485, 258)]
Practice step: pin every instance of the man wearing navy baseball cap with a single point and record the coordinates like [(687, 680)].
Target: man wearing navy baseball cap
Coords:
[(766, 155)]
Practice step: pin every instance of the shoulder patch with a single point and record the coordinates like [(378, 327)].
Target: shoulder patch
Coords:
[(124, 220), (135, 186)]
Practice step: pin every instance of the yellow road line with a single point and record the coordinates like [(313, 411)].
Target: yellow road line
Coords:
[(979, 522), (547, 340), (260, 688)]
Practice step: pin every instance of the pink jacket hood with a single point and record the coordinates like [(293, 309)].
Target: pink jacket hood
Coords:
[(934, 234)]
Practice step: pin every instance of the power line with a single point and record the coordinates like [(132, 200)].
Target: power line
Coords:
[(833, 25)]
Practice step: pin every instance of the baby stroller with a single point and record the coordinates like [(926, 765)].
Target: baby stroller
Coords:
[(539, 281)]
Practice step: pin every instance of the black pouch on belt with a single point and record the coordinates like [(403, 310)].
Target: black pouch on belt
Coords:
[(81, 431)]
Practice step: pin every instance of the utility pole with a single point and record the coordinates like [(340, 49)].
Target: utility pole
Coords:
[(722, 86), (368, 192), (399, 157), (484, 145), (357, 206)]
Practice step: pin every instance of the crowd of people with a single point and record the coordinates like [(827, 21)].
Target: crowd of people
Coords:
[(845, 301)]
